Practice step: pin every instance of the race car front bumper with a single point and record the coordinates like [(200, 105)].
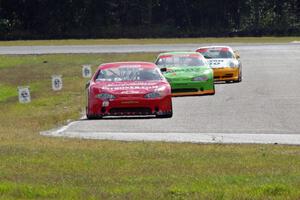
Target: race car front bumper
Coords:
[(204, 92), (130, 107), (192, 88), (226, 74)]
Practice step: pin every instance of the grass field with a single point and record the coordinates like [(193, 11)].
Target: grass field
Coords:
[(152, 41), (36, 167)]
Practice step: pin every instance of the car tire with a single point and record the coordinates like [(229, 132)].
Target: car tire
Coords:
[(214, 91), (240, 76), (91, 117), (240, 79)]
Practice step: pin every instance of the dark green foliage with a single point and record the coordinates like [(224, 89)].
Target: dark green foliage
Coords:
[(44, 19)]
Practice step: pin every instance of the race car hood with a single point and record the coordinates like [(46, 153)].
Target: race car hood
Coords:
[(221, 63), (130, 88), (185, 73)]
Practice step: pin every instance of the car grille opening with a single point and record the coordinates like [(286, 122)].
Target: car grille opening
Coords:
[(225, 76), (228, 75), (130, 111), (184, 90), (130, 95)]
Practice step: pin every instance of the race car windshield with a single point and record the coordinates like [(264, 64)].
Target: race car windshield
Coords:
[(128, 74), (217, 53), (180, 61)]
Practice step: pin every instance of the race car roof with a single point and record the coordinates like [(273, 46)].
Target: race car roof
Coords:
[(180, 53), (217, 47), (127, 64)]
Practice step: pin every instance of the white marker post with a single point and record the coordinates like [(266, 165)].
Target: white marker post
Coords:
[(57, 83), (86, 71), (24, 94)]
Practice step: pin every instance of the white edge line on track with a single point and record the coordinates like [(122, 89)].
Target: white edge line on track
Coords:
[(59, 131), (206, 138)]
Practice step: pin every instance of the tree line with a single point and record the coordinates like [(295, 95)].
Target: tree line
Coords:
[(44, 19)]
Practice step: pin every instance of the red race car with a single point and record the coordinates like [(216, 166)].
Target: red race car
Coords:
[(128, 89)]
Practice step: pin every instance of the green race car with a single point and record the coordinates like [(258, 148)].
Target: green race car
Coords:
[(187, 72)]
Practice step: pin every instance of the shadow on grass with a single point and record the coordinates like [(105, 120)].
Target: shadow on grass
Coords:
[(122, 118)]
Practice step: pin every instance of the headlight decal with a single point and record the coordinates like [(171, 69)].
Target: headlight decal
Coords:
[(233, 64), (152, 95), (105, 96), (200, 78)]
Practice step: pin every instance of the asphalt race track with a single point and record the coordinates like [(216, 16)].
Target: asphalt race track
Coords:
[(27, 50), (263, 108)]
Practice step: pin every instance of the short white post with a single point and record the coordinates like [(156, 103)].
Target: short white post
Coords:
[(24, 94), (57, 83), (86, 71)]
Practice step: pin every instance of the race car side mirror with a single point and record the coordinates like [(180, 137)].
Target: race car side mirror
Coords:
[(87, 85), (237, 54), (163, 69)]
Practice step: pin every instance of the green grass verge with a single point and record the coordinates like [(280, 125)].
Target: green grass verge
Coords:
[(36, 167), (7, 92), (151, 41)]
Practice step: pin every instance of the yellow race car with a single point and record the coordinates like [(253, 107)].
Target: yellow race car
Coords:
[(224, 62)]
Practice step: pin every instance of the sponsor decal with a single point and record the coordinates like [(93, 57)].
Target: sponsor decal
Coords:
[(224, 49), (131, 86), (217, 49), (182, 70), (193, 55), (180, 84), (165, 56), (215, 63), (130, 92), (130, 66), (202, 50), (130, 102), (127, 66), (105, 103), (114, 88)]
